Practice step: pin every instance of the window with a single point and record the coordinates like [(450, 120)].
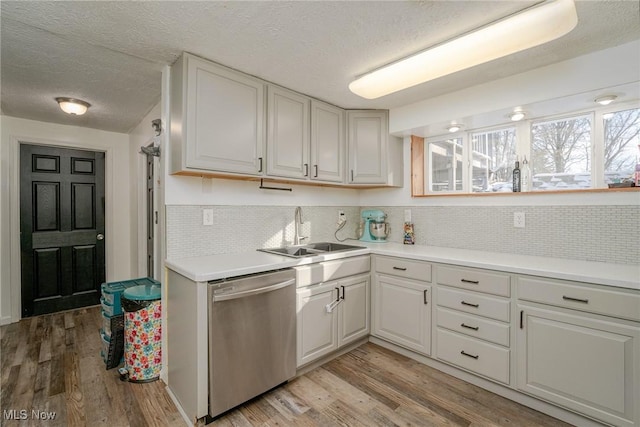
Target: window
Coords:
[(445, 164), (621, 144), (560, 153), (493, 155), (586, 150)]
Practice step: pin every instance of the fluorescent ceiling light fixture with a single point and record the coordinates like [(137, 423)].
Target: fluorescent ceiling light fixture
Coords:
[(605, 100), (454, 127), (517, 115), (72, 106), (531, 27)]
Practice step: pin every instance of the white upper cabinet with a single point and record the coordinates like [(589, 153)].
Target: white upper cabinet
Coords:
[(288, 134), (217, 119), (328, 149), (373, 158), (227, 123)]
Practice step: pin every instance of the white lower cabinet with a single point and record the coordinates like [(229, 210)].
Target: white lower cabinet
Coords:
[(331, 315), (402, 313), (583, 363)]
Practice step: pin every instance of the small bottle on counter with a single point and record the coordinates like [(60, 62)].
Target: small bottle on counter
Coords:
[(409, 237), (525, 175), (516, 178)]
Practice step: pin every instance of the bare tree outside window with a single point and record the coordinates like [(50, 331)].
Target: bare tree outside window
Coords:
[(493, 156), (560, 152), (621, 144)]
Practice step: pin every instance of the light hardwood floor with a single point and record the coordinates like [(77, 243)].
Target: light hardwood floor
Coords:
[(52, 363)]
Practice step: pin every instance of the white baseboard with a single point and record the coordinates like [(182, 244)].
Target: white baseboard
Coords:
[(5, 320)]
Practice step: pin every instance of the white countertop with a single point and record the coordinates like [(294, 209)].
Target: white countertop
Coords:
[(214, 267)]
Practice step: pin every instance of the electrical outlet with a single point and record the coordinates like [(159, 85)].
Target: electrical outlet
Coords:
[(342, 219), (207, 216), (518, 219)]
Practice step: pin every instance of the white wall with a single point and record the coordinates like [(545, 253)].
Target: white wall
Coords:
[(120, 229)]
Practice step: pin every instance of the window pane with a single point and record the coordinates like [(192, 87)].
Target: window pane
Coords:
[(561, 154), (446, 170), (621, 145), (493, 155)]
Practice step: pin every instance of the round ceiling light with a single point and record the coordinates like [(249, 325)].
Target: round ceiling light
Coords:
[(517, 115), (73, 106), (454, 127), (605, 100)]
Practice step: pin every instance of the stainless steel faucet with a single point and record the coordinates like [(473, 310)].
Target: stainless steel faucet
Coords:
[(297, 219)]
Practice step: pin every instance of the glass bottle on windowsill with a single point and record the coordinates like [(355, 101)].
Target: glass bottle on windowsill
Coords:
[(516, 178), (525, 176)]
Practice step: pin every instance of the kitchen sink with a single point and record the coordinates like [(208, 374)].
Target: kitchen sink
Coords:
[(311, 249)]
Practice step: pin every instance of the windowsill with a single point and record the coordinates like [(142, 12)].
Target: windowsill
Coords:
[(507, 193)]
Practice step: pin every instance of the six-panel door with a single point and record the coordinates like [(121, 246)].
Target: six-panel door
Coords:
[(62, 228)]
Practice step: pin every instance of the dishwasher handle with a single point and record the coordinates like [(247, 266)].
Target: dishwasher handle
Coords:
[(243, 294)]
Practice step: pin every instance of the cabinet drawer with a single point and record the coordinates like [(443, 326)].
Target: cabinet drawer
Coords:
[(609, 302), (477, 356), (470, 302), (404, 268), (475, 280), (474, 326)]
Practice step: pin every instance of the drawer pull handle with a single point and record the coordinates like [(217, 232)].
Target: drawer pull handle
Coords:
[(469, 304), (473, 282), (424, 294), (464, 353), (337, 294), (475, 328), (566, 298), (342, 297), (400, 268)]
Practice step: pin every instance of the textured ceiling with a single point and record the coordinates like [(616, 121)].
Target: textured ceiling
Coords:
[(111, 53)]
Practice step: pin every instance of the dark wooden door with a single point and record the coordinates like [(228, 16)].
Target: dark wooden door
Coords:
[(61, 228)]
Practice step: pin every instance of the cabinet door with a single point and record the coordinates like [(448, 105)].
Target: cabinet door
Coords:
[(224, 119), (288, 136), (317, 334), (367, 141), (327, 142), (585, 364), (402, 312), (353, 315)]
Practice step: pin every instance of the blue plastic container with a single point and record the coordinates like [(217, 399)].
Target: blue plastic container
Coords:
[(112, 293)]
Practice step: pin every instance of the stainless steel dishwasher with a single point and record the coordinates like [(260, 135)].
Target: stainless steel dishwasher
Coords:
[(252, 337)]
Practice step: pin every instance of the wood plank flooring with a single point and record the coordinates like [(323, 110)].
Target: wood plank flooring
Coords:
[(52, 363)]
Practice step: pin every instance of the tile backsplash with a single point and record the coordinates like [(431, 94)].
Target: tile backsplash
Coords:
[(243, 228), (594, 233)]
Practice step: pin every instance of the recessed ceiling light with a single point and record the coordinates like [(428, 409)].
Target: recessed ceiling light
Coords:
[(531, 27), (73, 106), (454, 127), (605, 100), (517, 115)]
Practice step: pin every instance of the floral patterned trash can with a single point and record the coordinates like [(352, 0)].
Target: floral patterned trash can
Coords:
[(142, 333)]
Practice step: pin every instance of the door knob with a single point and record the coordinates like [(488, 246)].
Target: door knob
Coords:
[(100, 236)]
